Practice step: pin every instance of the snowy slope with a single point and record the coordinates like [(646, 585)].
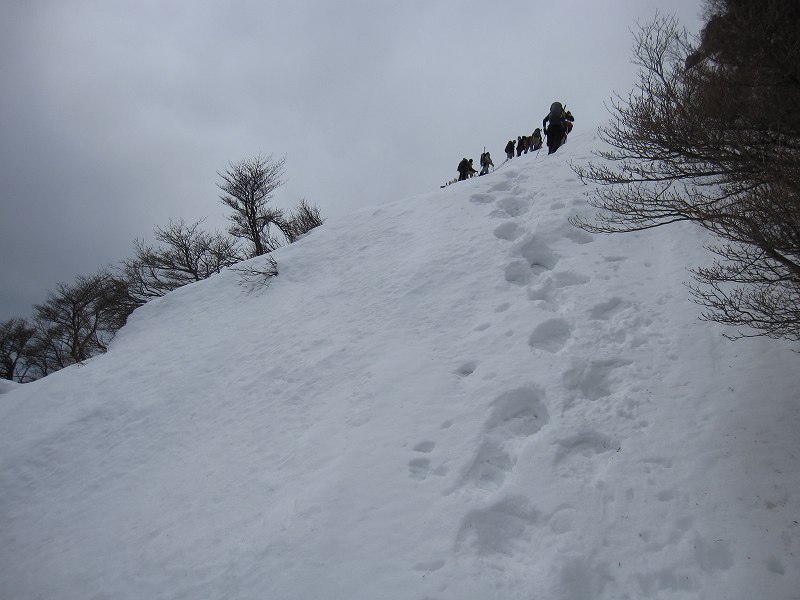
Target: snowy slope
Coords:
[(7, 386), (457, 396)]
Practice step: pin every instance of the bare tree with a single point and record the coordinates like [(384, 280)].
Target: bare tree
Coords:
[(77, 321), (187, 254), (248, 186), (16, 337), (711, 135), (300, 221)]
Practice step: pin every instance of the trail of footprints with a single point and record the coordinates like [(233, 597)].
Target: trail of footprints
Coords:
[(504, 525), (519, 414)]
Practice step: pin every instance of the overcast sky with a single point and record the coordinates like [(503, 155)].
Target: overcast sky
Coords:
[(116, 115)]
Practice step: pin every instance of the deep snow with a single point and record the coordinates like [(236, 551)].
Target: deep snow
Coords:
[(457, 396)]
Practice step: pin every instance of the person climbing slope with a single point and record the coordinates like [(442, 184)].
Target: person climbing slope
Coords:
[(510, 150), (536, 139), (554, 126), (463, 169), (486, 162)]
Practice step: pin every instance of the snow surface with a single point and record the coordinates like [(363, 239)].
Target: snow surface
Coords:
[(7, 386), (458, 396)]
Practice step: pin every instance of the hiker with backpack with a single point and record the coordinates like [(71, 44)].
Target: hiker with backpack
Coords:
[(510, 150), (536, 139), (486, 162), (524, 145), (557, 128), (465, 169)]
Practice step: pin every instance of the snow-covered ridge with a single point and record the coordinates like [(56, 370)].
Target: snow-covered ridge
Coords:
[(456, 396)]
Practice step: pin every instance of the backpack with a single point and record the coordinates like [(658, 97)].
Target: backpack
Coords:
[(557, 115)]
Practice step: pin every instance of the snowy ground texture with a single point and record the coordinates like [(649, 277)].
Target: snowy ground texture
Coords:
[(454, 397)]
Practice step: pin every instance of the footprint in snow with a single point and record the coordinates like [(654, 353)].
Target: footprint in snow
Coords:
[(518, 273), (592, 379), (504, 528), (510, 207), (577, 456), (571, 232), (538, 255), (509, 231), (666, 495), (585, 444), (468, 368), (563, 519), (425, 447), (579, 236), (502, 186), (605, 310), (488, 469), (481, 198), (551, 283), (552, 335), (419, 468), (518, 413)]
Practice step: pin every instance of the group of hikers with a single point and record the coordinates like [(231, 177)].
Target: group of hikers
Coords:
[(556, 126)]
